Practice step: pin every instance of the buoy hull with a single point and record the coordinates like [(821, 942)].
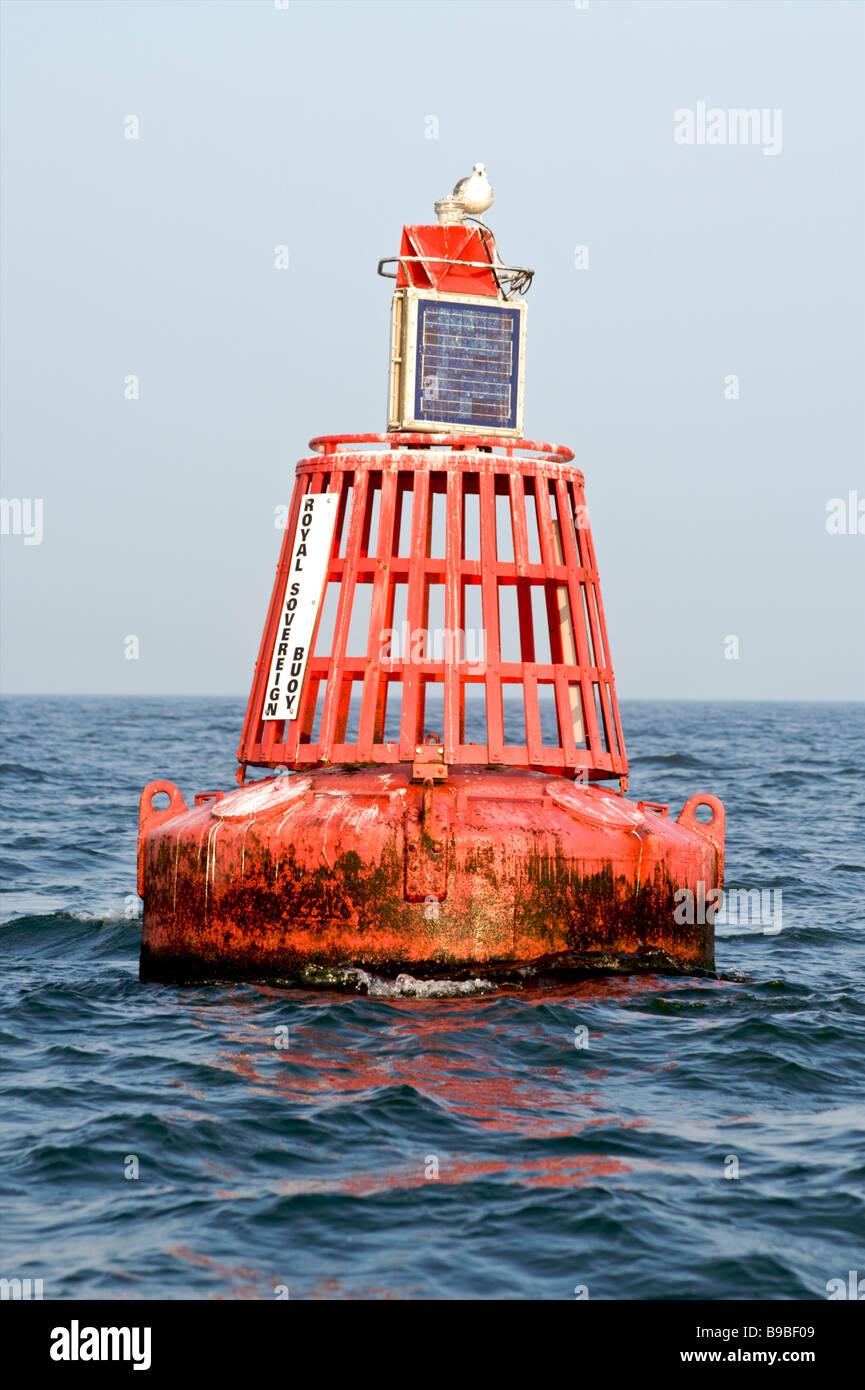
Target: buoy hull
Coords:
[(502, 872)]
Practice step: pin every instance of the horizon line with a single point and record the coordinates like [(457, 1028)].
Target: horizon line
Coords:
[(633, 699)]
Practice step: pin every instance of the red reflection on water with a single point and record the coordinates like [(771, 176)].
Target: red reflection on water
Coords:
[(198, 1095), (241, 1282), (570, 1171), (509, 1104), (419, 1044)]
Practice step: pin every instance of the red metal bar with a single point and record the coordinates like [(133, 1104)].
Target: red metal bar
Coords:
[(453, 555), (602, 627), (414, 610), (534, 739), (490, 602), (370, 712), (335, 443), (334, 700), (575, 576)]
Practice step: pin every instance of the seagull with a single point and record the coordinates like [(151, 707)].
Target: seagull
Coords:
[(474, 193)]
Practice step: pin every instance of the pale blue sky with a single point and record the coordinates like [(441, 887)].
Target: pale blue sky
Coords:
[(306, 126)]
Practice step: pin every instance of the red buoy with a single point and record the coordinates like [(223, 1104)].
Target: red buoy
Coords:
[(434, 701)]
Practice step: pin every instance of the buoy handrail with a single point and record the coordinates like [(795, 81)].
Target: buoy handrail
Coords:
[(511, 279), (337, 443)]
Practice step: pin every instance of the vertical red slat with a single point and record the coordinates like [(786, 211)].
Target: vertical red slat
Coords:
[(589, 609), (490, 600), (453, 556), (518, 521), (428, 571), (590, 589), (461, 736), (307, 719), (371, 490), (334, 697), (572, 560), (569, 700), (566, 723), (343, 505), (545, 524), (377, 618), (343, 707), (414, 609), (533, 717), (550, 558), (526, 621), (384, 681), (289, 733), (619, 753)]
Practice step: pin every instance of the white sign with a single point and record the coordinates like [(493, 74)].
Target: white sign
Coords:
[(300, 605)]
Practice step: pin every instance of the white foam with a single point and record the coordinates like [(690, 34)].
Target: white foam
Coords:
[(407, 987)]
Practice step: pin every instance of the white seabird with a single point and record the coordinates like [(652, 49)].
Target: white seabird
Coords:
[(474, 193)]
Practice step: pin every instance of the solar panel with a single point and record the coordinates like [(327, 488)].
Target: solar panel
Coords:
[(458, 364), (467, 359)]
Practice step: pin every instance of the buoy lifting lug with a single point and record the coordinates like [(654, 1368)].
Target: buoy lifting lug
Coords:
[(429, 761), (712, 830), (149, 816)]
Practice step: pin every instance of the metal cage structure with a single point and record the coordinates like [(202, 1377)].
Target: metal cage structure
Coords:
[(461, 614)]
